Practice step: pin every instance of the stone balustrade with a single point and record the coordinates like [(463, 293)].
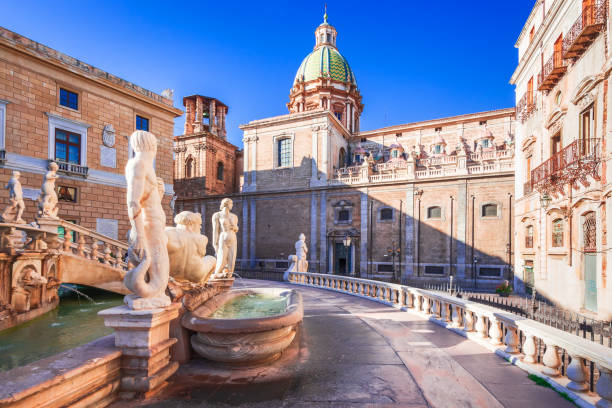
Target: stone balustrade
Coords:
[(88, 244), (579, 367)]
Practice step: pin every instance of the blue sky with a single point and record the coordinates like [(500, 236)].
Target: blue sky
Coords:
[(413, 60)]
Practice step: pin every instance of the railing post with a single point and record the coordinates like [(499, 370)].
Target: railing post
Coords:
[(81, 246), (576, 371), (456, 319), (67, 243)]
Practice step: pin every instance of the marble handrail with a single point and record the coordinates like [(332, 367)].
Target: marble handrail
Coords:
[(506, 332)]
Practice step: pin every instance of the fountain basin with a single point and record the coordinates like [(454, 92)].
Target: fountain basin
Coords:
[(245, 326)]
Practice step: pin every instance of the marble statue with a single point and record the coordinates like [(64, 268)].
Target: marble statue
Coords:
[(14, 211), (187, 249), (149, 278), (225, 226), (299, 261), (47, 203)]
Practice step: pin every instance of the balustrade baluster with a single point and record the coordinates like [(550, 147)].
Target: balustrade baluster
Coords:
[(481, 326), (426, 305), (551, 360), (512, 340), (81, 246), (94, 250), (468, 321), (456, 319), (107, 254), (576, 371), (604, 388), (495, 332), (67, 243)]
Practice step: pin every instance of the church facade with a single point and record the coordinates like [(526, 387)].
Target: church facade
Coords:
[(423, 200)]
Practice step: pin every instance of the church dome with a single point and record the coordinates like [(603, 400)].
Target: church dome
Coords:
[(325, 62)]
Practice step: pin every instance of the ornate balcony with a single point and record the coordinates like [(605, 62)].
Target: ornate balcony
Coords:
[(586, 28), (574, 162), (552, 72), (525, 107), (72, 169)]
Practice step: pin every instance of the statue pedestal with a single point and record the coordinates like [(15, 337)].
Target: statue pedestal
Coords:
[(222, 285), (144, 340)]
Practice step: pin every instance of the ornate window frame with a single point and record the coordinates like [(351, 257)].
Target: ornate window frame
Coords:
[(56, 121), (340, 206)]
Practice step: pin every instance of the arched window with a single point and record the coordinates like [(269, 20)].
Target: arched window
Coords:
[(189, 167), (529, 236), (342, 157), (557, 233), (220, 171), (489, 210), (434, 212)]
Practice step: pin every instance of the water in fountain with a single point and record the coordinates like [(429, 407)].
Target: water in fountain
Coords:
[(251, 305)]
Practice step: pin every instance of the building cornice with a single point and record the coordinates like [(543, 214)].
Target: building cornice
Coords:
[(295, 117), (536, 42), (49, 56), (441, 121), (527, 24)]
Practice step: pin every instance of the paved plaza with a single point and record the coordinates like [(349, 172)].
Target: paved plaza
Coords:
[(354, 352)]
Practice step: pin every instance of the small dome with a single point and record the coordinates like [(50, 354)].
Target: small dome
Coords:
[(325, 62)]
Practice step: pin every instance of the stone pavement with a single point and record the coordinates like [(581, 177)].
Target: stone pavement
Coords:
[(354, 352)]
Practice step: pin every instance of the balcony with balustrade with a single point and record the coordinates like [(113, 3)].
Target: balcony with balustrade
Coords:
[(484, 162), (587, 27), (71, 168), (526, 107), (552, 71), (573, 163)]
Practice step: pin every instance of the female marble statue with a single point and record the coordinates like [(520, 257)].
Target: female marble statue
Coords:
[(149, 279), (301, 252), (225, 226)]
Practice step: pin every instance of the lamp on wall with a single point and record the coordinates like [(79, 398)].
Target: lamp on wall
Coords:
[(545, 200), (347, 240)]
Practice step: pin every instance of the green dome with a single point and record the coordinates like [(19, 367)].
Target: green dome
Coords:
[(325, 62)]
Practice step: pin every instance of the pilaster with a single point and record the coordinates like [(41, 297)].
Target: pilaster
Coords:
[(409, 234), (462, 214), (313, 228), (252, 234), (363, 250), (323, 233)]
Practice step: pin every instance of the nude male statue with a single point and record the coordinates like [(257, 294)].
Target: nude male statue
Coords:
[(14, 211), (149, 279), (225, 226), (47, 203), (301, 252)]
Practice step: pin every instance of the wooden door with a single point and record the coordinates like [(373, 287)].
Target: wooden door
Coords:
[(558, 52)]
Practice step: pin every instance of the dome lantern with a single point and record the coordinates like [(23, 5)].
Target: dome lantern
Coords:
[(325, 80)]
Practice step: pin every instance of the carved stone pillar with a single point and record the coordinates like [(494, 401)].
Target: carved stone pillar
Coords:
[(481, 327), (495, 332), (529, 349), (511, 340)]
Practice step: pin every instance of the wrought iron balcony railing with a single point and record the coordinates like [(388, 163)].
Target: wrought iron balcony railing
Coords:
[(575, 161), (71, 168), (552, 72), (587, 27), (526, 106)]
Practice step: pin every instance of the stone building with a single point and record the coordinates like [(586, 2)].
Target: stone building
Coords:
[(56, 108), (562, 188), (205, 163), (422, 200)]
